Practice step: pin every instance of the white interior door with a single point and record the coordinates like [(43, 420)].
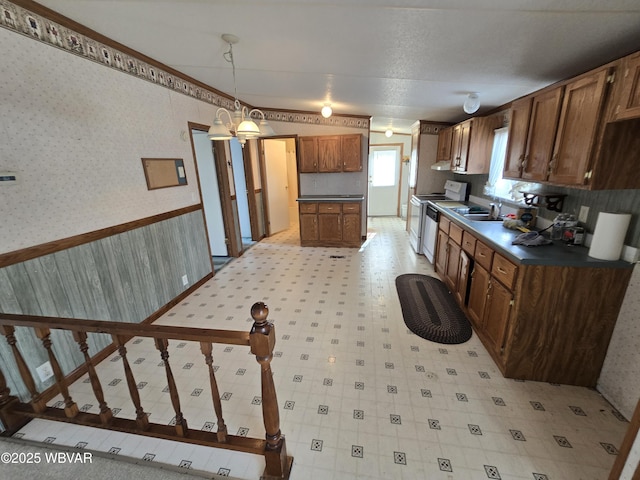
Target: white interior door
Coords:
[(384, 173), (275, 160)]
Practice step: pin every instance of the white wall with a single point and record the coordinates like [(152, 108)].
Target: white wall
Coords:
[(75, 131), (619, 379)]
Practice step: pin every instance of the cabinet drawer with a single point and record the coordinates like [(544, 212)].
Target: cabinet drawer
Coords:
[(329, 208), (483, 255), (350, 208), (469, 243), (504, 271), (443, 224), (455, 233), (308, 207)]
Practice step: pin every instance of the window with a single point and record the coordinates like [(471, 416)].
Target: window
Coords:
[(383, 168), (497, 186)]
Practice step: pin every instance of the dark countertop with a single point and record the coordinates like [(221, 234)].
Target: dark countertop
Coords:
[(331, 198), (499, 238)]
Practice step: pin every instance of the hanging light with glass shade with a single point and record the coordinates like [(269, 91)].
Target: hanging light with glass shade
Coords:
[(239, 124), (471, 103)]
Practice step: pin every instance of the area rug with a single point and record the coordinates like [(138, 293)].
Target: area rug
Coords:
[(430, 311)]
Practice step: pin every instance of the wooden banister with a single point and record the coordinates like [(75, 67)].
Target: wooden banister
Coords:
[(261, 341)]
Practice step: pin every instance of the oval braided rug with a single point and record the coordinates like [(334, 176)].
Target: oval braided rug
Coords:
[(430, 311)]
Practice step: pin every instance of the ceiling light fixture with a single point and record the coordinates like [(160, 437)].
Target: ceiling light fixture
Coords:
[(326, 110), (471, 103), (240, 124), (388, 133)]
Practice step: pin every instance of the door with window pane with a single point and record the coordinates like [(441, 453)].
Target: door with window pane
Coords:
[(384, 173)]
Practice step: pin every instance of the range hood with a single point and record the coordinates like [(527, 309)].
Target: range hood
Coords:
[(443, 165)]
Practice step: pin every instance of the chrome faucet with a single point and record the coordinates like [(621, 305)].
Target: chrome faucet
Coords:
[(495, 210)]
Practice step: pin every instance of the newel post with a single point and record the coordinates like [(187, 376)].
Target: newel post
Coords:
[(262, 341)]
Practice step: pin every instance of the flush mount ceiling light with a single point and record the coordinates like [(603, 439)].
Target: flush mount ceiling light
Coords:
[(388, 133), (326, 110), (472, 103), (240, 124)]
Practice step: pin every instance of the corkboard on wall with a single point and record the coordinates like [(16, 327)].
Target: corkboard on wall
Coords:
[(164, 172)]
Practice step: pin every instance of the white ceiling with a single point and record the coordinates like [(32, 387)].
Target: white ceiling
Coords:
[(396, 60)]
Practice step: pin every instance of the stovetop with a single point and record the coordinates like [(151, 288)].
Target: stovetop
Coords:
[(430, 196)]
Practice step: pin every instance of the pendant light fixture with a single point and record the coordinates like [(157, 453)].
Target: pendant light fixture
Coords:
[(239, 124)]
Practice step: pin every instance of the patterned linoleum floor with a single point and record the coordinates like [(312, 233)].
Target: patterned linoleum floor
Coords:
[(360, 396)]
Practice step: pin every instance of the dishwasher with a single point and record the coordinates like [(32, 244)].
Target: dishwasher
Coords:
[(430, 232)]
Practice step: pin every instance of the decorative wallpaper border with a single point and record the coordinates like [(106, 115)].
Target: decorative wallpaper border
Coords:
[(38, 27)]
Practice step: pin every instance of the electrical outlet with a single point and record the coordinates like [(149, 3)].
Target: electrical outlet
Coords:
[(185, 281), (584, 214), (45, 371)]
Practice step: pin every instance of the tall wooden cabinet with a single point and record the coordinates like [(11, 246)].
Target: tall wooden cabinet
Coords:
[(460, 146)]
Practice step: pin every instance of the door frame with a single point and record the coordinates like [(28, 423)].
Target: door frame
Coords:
[(220, 158), (263, 173), (251, 190)]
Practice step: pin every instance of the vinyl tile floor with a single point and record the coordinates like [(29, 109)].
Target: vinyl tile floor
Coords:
[(360, 396)]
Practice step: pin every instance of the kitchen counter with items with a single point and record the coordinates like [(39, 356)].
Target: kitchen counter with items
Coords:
[(544, 313), (330, 220), (499, 238)]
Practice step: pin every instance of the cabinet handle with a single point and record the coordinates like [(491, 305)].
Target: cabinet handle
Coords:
[(525, 161), (481, 254), (501, 270)]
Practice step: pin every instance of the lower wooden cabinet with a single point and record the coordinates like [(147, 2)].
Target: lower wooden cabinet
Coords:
[(330, 224), (545, 323)]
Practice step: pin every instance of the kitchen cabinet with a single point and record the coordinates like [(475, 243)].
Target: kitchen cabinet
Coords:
[(629, 105), (308, 222), (330, 224), (577, 129), (445, 138), (472, 143), (524, 315), (460, 146), (517, 140), (545, 111), (308, 154), (351, 147), (330, 154)]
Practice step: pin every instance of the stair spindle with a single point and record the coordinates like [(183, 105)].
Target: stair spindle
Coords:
[(105, 412), (142, 420), (38, 404), (206, 348), (70, 407), (181, 424)]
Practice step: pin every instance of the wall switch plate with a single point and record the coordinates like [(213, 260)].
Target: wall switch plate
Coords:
[(584, 214), (185, 281), (45, 372)]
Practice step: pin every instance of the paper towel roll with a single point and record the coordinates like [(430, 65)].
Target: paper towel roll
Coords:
[(608, 236)]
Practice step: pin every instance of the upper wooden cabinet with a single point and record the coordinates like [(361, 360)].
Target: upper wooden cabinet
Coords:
[(554, 135), (629, 105), (460, 146), (330, 153), (472, 141), (445, 137)]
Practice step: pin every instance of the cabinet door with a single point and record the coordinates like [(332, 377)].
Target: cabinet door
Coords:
[(481, 143), (441, 252), (462, 283), (460, 146), (517, 141), (630, 101), (351, 146), (497, 313), (351, 228), (308, 154), (453, 265), (579, 120), (329, 227), (308, 227), (478, 295), (445, 137), (542, 133), (329, 154)]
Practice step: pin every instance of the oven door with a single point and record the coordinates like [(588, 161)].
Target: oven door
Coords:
[(415, 225)]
